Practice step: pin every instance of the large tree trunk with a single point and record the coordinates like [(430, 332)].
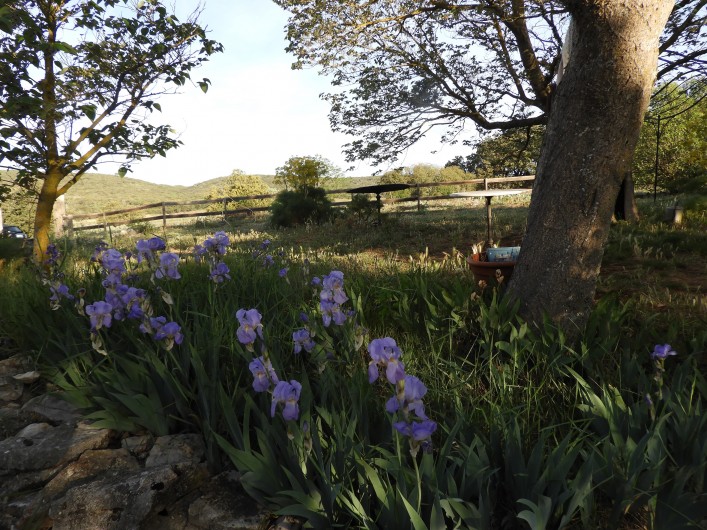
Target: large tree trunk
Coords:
[(588, 147)]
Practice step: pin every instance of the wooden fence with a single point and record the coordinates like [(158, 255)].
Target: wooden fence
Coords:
[(68, 223)]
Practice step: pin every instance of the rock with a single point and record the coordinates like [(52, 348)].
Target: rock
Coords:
[(10, 390), (176, 448), (138, 445), (90, 465), (127, 499), (40, 446), (53, 409), (224, 505), (17, 364), (27, 377), (13, 419)]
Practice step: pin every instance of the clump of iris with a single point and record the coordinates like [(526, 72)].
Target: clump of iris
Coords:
[(406, 402)]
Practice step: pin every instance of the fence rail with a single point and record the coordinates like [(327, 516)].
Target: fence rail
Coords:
[(68, 220)]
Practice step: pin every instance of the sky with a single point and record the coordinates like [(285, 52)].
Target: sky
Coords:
[(258, 112)]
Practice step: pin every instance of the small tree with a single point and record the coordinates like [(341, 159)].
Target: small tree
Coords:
[(78, 81), (303, 172), (238, 184)]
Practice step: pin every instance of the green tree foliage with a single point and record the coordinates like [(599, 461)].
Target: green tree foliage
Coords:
[(78, 83), (424, 173), (303, 172), (682, 156), (413, 66), (305, 205), (238, 184), (511, 153)]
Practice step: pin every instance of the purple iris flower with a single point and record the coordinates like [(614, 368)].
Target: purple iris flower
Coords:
[(265, 244), (199, 252), (250, 327), (662, 351), (303, 317), (217, 244), (98, 251), (113, 262), (219, 273), (59, 291), (385, 352), (288, 395), (52, 255), (333, 287), (410, 400), (283, 272), (100, 314), (170, 333), (316, 281), (168, 266), (146, 249), (153, 324), (417, 431), (133, 300), (115, 299), (303, 340), (268, 261), (263, 374)]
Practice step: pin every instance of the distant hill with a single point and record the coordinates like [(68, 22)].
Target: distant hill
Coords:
[(96, 192)]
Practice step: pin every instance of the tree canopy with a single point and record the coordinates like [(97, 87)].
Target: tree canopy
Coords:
[(302, 172), (78, 82), (401, 68)]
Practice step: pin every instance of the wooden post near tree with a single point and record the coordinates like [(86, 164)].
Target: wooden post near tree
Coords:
[(58, 215)]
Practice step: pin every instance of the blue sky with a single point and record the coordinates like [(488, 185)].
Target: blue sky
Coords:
[(258, 111)]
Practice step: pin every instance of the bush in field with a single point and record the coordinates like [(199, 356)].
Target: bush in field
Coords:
[(238, 184), (361, 208), (308, 205)]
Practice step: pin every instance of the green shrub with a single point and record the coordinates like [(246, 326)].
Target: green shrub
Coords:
[(310, 205), (361, 208)]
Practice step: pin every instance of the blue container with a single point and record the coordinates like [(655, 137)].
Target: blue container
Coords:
[(502, 253)]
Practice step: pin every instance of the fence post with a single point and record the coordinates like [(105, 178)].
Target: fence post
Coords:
[(105, 227), (419, 206), (164, 220), (68, 225), (58, 216), (486, 182)]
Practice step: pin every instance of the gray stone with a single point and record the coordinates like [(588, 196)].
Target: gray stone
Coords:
[(10, 390), (53, 409), (176, 448), (41, 446), (91, 464), (16, 364), (126, 500), (138, 445), (13, 419), (224, 505), (27, 378)]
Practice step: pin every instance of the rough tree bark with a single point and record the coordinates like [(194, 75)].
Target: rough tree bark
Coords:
[(591, 135)]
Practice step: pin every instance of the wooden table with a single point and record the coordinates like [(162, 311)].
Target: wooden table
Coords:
[(488, 195), (378, 189)]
